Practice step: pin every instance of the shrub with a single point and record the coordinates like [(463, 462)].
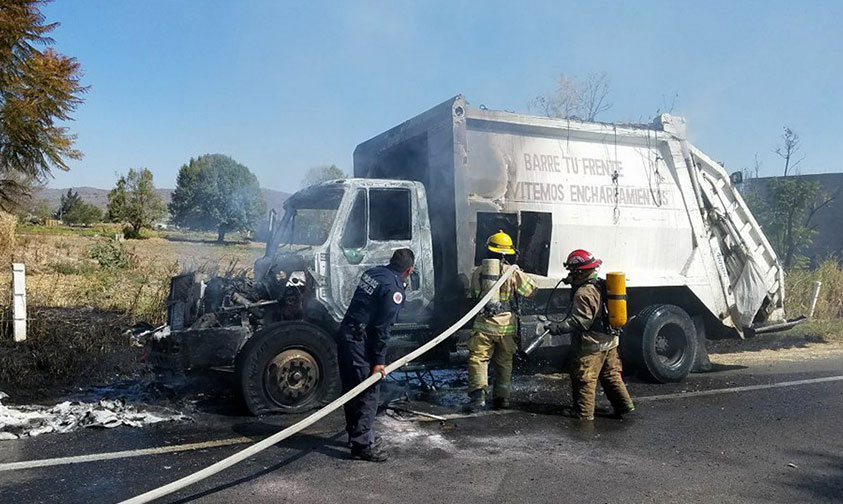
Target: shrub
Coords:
[(129, 233), (109, 254)]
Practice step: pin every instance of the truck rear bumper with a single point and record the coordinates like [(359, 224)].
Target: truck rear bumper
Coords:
[(776, 327), (197, 348)]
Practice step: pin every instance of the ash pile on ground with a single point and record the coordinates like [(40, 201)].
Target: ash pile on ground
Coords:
[(33, 420)]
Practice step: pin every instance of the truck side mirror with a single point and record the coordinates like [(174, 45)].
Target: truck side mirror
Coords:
[(736, 178)]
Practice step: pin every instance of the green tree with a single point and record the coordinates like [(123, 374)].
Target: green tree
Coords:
[(785, 209), (116, 209), (184, 207), (73, 210), (215, 192), (39, 89), (318, 174), (134, 200), (83, 213), (67, 202)]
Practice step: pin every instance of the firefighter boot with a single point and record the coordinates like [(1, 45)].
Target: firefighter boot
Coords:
[(478, 401), (501, 403), (371, 453), (376, 442)]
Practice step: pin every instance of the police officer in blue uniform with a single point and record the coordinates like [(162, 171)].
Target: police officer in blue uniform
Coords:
[(361, 347)]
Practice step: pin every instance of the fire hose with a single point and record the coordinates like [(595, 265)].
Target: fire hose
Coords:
[(325, 411)]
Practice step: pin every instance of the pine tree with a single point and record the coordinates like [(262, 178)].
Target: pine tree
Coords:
[(39, 89)]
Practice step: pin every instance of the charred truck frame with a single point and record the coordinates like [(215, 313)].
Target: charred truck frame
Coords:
[(640, 196)]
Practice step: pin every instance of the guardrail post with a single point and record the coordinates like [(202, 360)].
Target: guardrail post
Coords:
[(815, 294), (19, 300)]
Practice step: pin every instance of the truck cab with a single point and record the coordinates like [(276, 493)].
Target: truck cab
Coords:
[(274, 329), (345, 227)]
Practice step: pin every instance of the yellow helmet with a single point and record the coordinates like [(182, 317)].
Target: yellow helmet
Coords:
[(500, 243)]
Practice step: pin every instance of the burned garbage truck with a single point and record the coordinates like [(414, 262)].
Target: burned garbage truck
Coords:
[(641, 197)]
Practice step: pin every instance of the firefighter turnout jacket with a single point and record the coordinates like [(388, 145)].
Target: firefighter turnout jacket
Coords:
[(503, 323), (588, 319)]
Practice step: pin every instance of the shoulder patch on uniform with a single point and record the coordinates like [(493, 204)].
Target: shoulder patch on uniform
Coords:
[(398, 298)]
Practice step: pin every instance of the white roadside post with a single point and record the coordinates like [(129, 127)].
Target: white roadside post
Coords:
[(815, 294), (19, 300)]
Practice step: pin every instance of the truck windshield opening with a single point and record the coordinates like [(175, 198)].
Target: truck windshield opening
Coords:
[(311, 215)]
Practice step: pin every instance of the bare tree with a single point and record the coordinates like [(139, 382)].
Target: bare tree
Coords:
[(788, 149), (576, 99), (593, 93), (750, 174)]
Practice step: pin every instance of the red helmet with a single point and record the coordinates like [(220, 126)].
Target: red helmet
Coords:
[(581, 260)]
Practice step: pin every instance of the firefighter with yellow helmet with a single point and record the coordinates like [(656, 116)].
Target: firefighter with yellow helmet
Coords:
[(494, 333)]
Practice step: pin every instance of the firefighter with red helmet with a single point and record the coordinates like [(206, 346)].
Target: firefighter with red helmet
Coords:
[(594, 341), (494, 333)]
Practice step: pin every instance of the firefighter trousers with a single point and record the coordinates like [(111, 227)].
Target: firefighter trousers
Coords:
[(499, 349), (606, 367), (355, 366)]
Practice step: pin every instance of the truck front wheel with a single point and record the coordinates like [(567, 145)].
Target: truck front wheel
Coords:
[(662, 342), (288, 368)]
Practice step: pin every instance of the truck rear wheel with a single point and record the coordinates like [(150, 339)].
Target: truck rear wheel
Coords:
[(662, 343), (288, 368)]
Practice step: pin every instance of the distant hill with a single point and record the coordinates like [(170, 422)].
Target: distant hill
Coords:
[(99, 197)]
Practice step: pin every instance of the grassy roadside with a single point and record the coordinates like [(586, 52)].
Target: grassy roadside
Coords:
[(84, 290), (825, 328)]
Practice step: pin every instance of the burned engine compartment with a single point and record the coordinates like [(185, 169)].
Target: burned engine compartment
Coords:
[(273, 294), (210, 316)]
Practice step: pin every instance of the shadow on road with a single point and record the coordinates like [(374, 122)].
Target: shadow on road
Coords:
[(821, 477), (717, 368), (303, 443)]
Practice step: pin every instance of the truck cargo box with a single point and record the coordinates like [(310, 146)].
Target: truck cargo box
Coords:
[(641, 197)]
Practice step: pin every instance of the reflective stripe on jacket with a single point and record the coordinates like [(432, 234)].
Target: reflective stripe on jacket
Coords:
[(504, 323)]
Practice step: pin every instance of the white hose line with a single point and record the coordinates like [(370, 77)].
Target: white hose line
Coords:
[(289, 431)]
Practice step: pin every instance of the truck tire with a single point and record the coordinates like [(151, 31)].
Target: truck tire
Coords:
[(662, 343), (289, 367)]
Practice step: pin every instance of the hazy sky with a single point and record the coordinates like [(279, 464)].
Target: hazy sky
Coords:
[(282, 86)]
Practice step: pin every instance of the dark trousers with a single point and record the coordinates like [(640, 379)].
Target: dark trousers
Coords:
[(355, 367)]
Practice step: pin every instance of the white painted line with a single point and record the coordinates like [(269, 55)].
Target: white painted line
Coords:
[(30, 464), (731, 390)]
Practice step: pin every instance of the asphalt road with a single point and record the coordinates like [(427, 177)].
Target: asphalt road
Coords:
[(753, 431)]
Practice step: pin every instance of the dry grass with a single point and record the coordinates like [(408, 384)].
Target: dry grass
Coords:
[(79, 309), (8, 223), (64, 347), (799, 284)]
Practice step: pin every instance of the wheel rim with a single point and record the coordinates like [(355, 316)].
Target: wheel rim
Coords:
[(291, 377), (670, 345)]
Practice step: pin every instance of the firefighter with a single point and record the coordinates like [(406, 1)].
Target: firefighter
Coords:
[(494, 333), (594, 342), (361, 347)]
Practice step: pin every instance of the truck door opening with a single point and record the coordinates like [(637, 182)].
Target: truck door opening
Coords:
[(489, 223), (534, 242)]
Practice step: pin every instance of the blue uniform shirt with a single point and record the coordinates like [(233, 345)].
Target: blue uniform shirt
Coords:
[(377, 300)]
